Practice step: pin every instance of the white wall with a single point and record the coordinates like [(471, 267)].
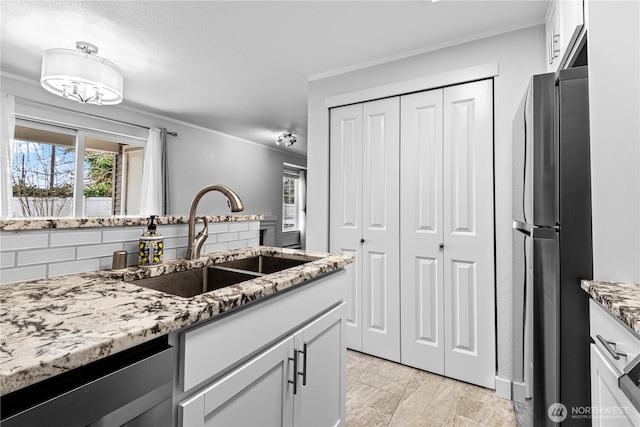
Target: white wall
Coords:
[(614, 104), (197, 157), (519, 54)]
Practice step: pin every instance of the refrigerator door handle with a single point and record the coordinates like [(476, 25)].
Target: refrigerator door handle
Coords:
[(534, 231)]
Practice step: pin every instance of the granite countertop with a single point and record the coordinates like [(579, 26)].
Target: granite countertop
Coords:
[(114, 221), (621, 299), (53, 325)]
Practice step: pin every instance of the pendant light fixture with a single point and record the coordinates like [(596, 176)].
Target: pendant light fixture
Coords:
[(82, 75)]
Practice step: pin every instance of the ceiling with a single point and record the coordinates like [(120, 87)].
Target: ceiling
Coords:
[(242, 67)]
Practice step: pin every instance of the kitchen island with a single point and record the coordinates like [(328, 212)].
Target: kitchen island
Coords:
[(54, 325)]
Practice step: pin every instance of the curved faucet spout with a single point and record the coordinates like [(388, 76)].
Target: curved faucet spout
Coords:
[(195, 243)]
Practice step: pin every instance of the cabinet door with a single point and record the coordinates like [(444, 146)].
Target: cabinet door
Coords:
[(469, 284), (320, 400), (612, 406), (381, 228), (421, 231), (571, 21), (552, 30), (256, 394), (346, 209)]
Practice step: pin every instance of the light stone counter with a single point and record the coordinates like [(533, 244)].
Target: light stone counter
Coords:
[(621, 299), (51, 326), (115, 221)]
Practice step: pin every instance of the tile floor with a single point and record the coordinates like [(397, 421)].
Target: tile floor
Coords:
[(383, 393)]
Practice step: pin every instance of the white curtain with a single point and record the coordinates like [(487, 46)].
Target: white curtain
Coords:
[(151, 194), (302, 194), (7, 132)]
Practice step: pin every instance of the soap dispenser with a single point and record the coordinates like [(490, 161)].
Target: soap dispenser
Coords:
[(151, 246)]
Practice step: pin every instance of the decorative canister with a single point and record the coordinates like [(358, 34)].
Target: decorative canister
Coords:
[(151, 246)]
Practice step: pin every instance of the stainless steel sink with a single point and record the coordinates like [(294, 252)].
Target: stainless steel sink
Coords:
[(264, 264), (194, 282)]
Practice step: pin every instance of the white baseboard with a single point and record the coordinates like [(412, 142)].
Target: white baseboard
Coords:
[(503, 388), (519, 392)]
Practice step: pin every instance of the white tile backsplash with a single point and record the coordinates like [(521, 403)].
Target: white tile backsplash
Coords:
[(227, 237), (45, 256), (254, 234), (122, 234), (74, 238), (238, 226), (215, 247), (62, 268), (7, 259), (22, 274), (97, 251), (237, 244), (23, 240), (30, 255), (219, 227)]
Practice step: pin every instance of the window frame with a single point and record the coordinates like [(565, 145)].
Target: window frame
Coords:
[(81, 136), (288, 173)]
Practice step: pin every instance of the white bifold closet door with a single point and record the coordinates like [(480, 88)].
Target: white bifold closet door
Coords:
[(447, 232), (364, 212)]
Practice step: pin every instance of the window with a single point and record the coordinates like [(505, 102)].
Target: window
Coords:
[(61, 172), (290, 205)]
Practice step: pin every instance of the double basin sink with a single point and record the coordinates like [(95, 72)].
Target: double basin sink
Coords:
[(194, 282)]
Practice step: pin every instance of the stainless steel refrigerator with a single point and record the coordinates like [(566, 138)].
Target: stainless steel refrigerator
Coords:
[(552, 246)]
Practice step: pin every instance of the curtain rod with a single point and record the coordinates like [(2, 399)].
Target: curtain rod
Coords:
[(33, 101)]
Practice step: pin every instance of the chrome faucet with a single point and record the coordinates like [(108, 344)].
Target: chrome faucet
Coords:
[(195, 242)]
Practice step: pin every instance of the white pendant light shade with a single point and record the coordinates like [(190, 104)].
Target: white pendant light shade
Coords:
[(82, 76)]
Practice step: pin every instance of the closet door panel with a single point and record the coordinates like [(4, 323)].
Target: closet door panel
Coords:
[(469, 286), (380, 201), (421, 231), (346, 208)]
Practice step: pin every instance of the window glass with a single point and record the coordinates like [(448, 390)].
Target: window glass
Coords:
[(43, 178), (47, 166), (99, 173), (289, 202)]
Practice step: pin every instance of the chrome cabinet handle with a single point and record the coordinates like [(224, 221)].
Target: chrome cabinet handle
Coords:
[(295, 371), (607, 346)]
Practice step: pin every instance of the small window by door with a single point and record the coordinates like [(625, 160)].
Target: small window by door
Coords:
[(290, 201)]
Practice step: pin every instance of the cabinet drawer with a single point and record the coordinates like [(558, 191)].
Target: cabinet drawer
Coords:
[(211, 349), (619, 337), (610, 406)]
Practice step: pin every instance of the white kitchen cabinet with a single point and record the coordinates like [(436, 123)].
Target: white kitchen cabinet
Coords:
[(256, 394), (239, 369), (564, 21), (412, 175), (610, 405), (448, 310), (261, 392), (364, 221)]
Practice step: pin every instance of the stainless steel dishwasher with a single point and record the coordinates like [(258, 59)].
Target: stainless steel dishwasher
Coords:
[(130, 388)]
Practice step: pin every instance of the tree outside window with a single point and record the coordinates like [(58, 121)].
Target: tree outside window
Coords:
[(43, 178)]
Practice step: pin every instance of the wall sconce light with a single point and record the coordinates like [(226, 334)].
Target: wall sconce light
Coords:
[(287, 139), (82, 75)]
